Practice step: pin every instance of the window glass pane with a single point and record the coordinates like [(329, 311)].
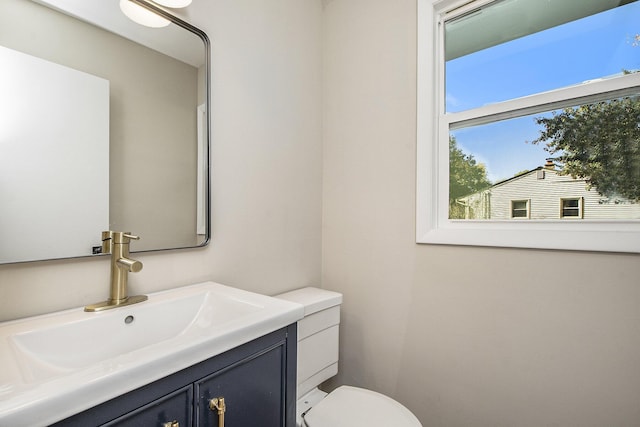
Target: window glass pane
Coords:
[(587, 154), (572, 203), (514, 48), (519, 209), (570, 208)]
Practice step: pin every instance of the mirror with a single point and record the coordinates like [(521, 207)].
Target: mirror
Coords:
[(103, 126)]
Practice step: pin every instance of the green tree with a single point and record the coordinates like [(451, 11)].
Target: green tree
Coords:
[(597, 142), (466, 176)]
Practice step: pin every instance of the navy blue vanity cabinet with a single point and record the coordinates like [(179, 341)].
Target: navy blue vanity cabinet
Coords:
[(257, 381), (174, 408), (253, 391)]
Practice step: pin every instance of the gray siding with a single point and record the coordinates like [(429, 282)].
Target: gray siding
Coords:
[(544, 189)]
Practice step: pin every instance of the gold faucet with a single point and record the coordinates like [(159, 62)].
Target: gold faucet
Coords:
[(117, 244)]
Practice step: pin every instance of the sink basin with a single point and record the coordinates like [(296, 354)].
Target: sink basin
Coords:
[(76, 339), (92, 357)]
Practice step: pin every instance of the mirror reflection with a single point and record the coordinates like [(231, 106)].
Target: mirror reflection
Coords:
[(103, 125)]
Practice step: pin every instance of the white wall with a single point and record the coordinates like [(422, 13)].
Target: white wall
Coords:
[(266, 169), (463, 336)]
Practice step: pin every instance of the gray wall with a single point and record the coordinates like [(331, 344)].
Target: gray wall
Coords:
[(266, 183), (463, 336)]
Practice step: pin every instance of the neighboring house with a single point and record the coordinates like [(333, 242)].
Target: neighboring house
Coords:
[(543, 193)]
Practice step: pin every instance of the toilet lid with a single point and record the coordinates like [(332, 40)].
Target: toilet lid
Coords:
[(357, 407)]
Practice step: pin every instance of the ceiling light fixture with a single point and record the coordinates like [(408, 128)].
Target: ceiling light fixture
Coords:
[(175, 4), (144, 16)]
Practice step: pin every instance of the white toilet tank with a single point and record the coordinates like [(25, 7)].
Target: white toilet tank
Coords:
[(317, 336)]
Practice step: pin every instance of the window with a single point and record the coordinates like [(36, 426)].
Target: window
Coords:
[(489, 93), (571, 208), (519, 209)]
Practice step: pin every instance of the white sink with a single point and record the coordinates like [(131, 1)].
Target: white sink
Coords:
[(86, 358), (73, 340)]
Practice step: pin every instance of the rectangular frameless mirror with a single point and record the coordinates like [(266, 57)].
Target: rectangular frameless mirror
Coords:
[(103, 125)]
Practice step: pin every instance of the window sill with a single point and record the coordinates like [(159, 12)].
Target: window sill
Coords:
[(587, 236)]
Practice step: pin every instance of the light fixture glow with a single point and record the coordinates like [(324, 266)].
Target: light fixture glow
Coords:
[(175, 4), (142, 16)]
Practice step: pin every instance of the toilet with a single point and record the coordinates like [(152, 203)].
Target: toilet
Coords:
[(346, 406)]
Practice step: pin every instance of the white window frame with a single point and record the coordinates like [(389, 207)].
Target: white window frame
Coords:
[(433, 126), (579, 208), (527, 208)]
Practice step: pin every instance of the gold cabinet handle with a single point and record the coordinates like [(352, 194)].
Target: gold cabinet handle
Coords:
[(218, 404), (171, 424)]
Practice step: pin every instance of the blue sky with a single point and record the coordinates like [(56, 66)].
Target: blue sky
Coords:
[(594, 47)]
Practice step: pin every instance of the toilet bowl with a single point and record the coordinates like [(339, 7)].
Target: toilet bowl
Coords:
[(346, 406)]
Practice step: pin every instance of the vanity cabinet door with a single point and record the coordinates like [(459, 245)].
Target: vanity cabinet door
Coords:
[(173, 410), (253, 390)]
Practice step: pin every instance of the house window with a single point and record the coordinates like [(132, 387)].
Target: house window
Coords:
[(571, 208), (492, 76), (519, 209)]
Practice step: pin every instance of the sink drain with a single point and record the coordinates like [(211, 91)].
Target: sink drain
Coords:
[(128, 320)]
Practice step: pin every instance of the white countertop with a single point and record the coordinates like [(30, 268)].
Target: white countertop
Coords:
[(56, 365)]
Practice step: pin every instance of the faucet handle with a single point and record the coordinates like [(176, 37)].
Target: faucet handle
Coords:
[(130, 264), (116, 237)]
